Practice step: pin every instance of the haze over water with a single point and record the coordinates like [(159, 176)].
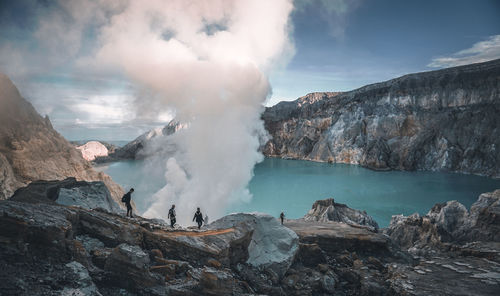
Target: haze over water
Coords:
[(293, 185)]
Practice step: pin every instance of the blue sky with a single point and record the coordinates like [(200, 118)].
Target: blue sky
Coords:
[(380, 40), (339, 45)]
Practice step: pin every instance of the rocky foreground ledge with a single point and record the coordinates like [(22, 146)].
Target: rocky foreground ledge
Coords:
[(51, 249)]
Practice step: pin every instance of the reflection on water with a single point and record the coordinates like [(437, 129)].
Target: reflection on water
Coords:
[(293, 185)]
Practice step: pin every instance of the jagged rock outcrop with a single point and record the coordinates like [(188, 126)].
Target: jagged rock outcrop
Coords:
[(439, 120), (328, 210), (93, 149), (447, 223), (30, 148), (70, 192)]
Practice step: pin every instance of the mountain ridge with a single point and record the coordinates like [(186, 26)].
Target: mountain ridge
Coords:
[(31, 149), (438, 120)]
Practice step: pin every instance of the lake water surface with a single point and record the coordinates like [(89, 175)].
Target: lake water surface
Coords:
[(293, 185)]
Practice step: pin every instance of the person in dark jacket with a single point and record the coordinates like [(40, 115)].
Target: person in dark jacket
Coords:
[(198, 216), (282, 217), (127, 197), (171, 216)]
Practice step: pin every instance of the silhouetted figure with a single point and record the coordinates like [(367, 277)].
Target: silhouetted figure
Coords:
[(282, 217), (198, 216), (126, 199), (171, 216)]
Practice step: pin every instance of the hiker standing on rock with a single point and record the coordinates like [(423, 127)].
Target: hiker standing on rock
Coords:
[(282, 217), (171, 216), (126, 199), (198, 216)]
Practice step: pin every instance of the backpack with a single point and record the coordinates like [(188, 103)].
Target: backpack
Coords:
[(123, 198)]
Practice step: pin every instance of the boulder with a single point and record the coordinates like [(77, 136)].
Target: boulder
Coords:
[(485, 216), (129, 267), (451, 220), (217, 282), (272, 245), (70, 192), (91, 196), (328, 210), (83, 284)]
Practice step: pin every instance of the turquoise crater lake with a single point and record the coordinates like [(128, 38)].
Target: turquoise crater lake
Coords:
[(293, 185)]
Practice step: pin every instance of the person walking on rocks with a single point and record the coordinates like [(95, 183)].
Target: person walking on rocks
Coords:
[(171, 216), (282, 217), (198, 216), (126, 199)]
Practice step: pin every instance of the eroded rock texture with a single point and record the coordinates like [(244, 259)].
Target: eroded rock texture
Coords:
[(51, 249), (31, 150), (440, 120)]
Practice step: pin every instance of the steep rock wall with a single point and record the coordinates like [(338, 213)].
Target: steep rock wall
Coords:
[(440, 120)]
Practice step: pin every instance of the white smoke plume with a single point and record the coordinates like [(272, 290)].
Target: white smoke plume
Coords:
[(208, 61)]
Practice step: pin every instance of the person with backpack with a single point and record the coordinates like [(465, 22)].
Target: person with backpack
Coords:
[(126, 199), (198, 216), (171, 216), (282, 217)]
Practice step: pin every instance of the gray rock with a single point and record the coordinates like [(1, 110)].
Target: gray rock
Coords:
[(272, 246), (327, 210), (449, 222), (129, 268), (94, 196), (84, 284), (217, 282), (90, 195), (485, 217), (328, 283), (446, 276)]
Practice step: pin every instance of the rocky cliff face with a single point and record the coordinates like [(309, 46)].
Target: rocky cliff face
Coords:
[(440, 120), (30, 148)]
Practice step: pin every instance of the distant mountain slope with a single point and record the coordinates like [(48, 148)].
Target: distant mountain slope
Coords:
[(30, 148), (144, 145), (440, 120)]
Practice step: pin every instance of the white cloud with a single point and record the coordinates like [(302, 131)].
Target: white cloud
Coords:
[(482, 51)]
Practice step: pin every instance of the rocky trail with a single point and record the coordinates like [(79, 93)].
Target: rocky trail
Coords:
[(174, 233)]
